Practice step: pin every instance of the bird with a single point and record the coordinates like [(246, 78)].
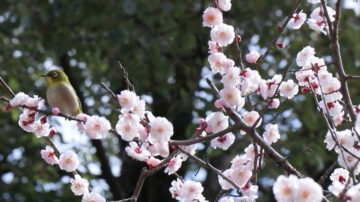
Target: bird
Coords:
[(61, 94)]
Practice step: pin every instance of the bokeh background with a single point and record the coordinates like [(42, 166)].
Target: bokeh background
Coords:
[(163, 46)]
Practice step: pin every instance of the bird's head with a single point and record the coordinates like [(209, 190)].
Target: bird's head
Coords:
[(55, 76)]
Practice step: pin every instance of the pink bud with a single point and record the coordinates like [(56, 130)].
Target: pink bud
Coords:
[(219, 103), (55, 111), (238, 38), (280, 45)]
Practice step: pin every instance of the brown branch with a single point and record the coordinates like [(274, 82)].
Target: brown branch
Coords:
[(338, 60), (208, 166), (327, 173), (262, 58), (129, 85), (7, 87), (146, 173)]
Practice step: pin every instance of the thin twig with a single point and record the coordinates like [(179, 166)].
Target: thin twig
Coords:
[(262, 58)]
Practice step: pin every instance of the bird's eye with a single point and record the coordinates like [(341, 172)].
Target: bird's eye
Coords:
[(54, 74)]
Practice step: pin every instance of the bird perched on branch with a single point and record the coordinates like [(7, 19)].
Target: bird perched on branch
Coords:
[(61, 94)]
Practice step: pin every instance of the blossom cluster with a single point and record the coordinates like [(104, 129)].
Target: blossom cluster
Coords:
[(187, 190), (291, 188), (67, 161), (317, 20)]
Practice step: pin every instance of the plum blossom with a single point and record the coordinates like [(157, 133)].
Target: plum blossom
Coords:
[(267, 88), (271, 134), (305, 56), (241, 176), (136, 152), (222, 34), (191, 190), (216, 122), (69, 161), (92, 197), (79, 186), (81, 125), (297, 20), (317, 26), (252, 57), (152, 162), (173, 165), (223, 142), (217, 62), (249, 192), (161, 129), (251, 117), (285, 188), (353, 193), (213, 47), (97, 127), (317, 14), (308, 190), (127, 99), (40, 130), (274, 103), (340, 175), (212, 17), (19, 99), (127, 129), (49, 156), (231, 97), (175, 189), (225, 185), (224, 5), (288, 89), (231, 77)]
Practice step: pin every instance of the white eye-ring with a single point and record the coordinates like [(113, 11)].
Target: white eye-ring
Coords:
[(54, 74)]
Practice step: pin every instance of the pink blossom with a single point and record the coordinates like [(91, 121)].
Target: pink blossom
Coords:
[(49, 156), (191, 190), (274, 103), (308, 191), (127, 99), (81, 125), (40, 130), (212, 17), (318, 14), (127, 129), (217, 62), (19, 99), (271, 134), (69, 161), (217, 121), (285, 188), (251, 117), (173, 165), (225, 185), (213, 47), (223, 142), (252, 57), (305, 56), (97, 127), (241, 176), (316, 25), (222, 34), (136, 152), (161, 129), (175, 189), (297, 20), (224, 5), (55, 111), (231, 97), (79, 186), (92, 197), (340, 175), (288, 89), (153, 162)]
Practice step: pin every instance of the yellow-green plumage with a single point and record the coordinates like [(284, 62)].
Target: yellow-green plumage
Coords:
[(61, 94)]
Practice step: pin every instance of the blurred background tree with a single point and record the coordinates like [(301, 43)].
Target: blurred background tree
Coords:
[(163, 46)]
